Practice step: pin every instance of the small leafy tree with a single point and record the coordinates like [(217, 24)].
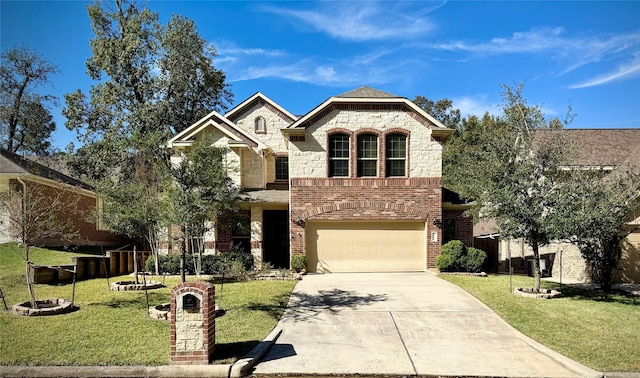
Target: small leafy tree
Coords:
[(600, 205), (513, 177), (37, 212), (202, 191)]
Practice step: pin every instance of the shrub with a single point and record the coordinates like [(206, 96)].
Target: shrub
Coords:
[(298, 263), (475, 259), (456, 257), (229, 262)]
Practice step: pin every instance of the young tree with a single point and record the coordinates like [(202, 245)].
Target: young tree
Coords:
[(37, 212), (600, 205), (26, 123), (202, 191), (512, 176)]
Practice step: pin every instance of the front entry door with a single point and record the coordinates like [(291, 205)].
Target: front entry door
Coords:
[(275, 238)]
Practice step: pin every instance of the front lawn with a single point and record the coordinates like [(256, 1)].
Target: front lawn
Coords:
[(112, 328), (600, 331)]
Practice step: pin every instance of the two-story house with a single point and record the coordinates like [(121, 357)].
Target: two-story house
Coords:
[(355, 184)]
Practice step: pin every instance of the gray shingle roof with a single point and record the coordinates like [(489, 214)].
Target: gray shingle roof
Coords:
[(11, 163), (367, 92)]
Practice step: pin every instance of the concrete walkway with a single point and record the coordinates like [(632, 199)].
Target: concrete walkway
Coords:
[(402, 324)]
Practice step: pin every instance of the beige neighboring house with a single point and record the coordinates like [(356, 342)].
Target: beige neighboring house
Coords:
[(606, 149), (15, 168), (355, 184)]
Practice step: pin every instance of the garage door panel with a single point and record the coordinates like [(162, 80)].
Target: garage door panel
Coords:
[(366, 246)]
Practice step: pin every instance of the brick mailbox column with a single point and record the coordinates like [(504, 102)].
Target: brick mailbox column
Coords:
[(192, 323)]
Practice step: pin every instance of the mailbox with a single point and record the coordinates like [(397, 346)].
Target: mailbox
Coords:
[(190, 303)]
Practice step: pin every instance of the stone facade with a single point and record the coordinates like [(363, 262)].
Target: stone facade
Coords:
[(308, 158)]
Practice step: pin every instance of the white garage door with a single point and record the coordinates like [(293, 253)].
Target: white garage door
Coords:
[(365, 246)]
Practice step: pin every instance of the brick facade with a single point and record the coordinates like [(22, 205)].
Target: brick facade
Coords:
[(371, 199), (193, 330)]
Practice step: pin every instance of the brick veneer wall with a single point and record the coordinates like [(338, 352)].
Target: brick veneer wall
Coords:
[(370, 199), (183, 352), (464, 225)]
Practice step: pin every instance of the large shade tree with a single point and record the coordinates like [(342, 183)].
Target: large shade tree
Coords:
[(152, 80), (26, 122)]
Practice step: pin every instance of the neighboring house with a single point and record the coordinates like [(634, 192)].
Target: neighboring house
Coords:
[(46, 181), (606, 149), (355, 184)]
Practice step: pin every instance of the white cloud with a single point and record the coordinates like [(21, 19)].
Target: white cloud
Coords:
[(474, 105), (624, 71), (365, 20)]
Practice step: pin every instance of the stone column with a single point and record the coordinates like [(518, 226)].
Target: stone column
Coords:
[(192, 323), (256, 235)]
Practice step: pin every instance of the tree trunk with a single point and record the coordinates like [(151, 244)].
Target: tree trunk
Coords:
[(536, 263), (183, 255), (135, 264), (32, 295)]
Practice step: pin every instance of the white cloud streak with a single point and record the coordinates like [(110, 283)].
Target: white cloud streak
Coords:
[(625, 71), (365, 20)]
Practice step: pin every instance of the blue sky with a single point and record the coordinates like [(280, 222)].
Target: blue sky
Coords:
[(586, 54)]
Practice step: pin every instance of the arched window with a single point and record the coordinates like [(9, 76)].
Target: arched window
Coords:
[(396, 155), (338, 155), (367, 155), (260, 125)]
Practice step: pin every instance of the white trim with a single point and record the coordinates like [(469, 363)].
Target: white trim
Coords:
[(241, 105)]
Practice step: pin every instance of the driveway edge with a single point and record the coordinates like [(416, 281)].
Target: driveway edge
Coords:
[(570, 364), (241, 367)]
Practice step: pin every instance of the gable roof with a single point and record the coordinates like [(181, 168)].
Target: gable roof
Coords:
[(218, 121), (12, 164), (259, 98), (364, 98)]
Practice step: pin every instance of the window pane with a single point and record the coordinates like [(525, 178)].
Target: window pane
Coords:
[(282, 168), (339, 168), (339, 146), (367, 168), (368, 146), (396, 168), (396, 155)]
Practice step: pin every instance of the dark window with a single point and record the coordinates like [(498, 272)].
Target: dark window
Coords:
[(282, 168), (339, 155), (367, 155), (449, 230), (396, 155)]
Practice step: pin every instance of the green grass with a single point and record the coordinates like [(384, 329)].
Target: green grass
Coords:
[(112, 328), (596, 329)]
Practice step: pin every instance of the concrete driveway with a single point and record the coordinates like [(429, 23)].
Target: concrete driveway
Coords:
[(405, 324)]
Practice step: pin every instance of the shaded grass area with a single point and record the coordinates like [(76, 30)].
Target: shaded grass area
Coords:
[(597, 329), (113, 328)]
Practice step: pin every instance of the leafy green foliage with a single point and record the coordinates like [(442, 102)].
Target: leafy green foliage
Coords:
[(601, 204), (442, 110), (26, 122), (211, 264), (298, 263), (457, 257), (513, 176)]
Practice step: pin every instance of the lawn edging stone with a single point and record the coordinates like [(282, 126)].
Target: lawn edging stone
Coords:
[(528, 292)]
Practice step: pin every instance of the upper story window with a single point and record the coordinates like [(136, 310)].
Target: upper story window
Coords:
[(260, 125), (367, 155), (282, 168), (396, 155), (338, 155)]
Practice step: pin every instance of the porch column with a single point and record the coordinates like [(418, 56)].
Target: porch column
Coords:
[(256, 235), (209, 242)]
